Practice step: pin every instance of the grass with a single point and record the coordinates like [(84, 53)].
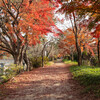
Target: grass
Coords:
[(89, 77), (49, 63), (69, 61)]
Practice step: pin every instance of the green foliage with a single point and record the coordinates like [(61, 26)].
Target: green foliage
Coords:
[(89, 77), (86, 62), (86, 74), (86, 55), (4, 78), (94, 61), (11, 71), (46, 59), (75, 56), (67, 57), (69, 61), (1, 70), (37, 61), (49, 63)]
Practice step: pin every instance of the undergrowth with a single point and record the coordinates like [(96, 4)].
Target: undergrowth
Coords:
[(89, 77), (69, 61)]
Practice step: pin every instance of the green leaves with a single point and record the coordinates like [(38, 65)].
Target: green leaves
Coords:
[(87, 75)]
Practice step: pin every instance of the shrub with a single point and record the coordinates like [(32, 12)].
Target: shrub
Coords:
[(69, 61), (46, 59), (86, 62), (49, 63), (1, 71), (10, 72), (37, 61), (75, 56), (94, 61), (86, 55), (67, 57), (89, 77)]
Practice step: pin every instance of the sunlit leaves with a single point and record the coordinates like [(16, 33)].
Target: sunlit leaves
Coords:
[(85, 41)]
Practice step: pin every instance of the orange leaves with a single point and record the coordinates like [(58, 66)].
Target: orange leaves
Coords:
[(38, 13), (84, 40), (96, 32), (36, 19), (89, 48)]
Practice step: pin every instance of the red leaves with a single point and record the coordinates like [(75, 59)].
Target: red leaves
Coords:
[(56, 35), (34, 20), (96, 32), (90, 49), (37, 18), (59, 1)]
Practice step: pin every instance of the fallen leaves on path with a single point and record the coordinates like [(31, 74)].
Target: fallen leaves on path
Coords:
[(49, 83)]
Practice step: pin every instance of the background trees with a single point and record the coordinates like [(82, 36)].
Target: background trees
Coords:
[(85, 42), (77, 11)]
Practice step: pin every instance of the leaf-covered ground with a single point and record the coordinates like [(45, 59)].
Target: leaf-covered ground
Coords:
[(49, 83)]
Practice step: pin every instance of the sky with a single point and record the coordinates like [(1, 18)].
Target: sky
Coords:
[(61, 25), (66, 23)]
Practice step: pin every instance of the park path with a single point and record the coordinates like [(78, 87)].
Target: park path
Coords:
[(49, 83)]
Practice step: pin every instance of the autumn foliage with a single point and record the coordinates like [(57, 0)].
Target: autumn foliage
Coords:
[(76, 11), (85, 41), (23, 23)]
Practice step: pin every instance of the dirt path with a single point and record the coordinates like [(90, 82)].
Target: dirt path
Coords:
[(49, 83)]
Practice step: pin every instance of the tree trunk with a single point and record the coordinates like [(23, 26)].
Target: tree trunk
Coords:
[(18, 61), (75, 31), (42, 55), (18, 58), (78, 51), (42, 61), (72, 56), (50, 51), (79, 58), (98, 48), (26, 60), (15, 57)]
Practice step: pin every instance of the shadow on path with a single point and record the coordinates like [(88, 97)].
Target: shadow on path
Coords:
[(49, 83)]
